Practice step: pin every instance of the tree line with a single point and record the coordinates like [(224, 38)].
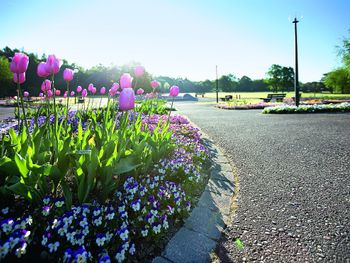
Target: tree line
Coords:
[(278, 78)]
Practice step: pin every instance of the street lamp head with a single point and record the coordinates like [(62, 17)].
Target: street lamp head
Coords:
[(295, 20)]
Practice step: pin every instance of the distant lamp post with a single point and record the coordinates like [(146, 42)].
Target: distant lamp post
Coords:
[(296, 77), (217, 85)]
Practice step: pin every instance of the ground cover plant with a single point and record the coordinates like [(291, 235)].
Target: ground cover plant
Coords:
[(97, 183), (340, 107)]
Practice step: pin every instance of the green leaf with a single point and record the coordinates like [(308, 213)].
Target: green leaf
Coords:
[(239, 244), (125, 165), (21, 165), (68, 197)]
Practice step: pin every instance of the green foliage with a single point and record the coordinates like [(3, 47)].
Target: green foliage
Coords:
[(5, 78), (338, 80), (280, 78)]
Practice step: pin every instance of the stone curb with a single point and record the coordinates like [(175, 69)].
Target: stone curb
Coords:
[(195, 241)]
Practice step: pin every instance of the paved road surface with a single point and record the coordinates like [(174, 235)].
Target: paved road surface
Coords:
[(6, 112), (294, 176)]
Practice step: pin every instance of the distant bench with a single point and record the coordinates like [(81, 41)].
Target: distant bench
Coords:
[(227, 98), (200, 94), (278, 97)]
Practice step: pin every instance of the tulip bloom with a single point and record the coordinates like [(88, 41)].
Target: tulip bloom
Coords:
[(84, 93), (57, 92), (41, 95), (41, 70), (127, 99), (139, 71), (19, 63), (68, 74), (174, 91), (72, 93), (26, 94), (65, 95), (140, 91), (90, 87), (93, 90), (103, 90), (79, 89), (125, 81), (154, 84), (46, 85), (22, 78), (49, 93), (52, 64)]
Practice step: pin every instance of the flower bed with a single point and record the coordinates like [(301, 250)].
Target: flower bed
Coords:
[(96, 184), (261, 105), (342, 107)]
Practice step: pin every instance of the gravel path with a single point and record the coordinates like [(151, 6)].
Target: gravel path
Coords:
[(294, 177)]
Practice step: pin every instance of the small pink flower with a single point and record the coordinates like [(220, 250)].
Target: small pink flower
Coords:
[(19, 63), (49, 93), (41, 95), (52, 65), (68, 74), (57, 92), (26, 94), (65, 95), (139, 71), (127, 99), (103, 90), (93, 90), (72, 93), (79, 89), (41, 70), (22, 78), (174, 91), (46, 85), (90, 87), (125, 81), (140, 91), (84, 93), (154, 84)]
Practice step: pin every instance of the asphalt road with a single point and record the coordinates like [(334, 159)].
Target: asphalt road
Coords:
[(6, 112), (294, 180)]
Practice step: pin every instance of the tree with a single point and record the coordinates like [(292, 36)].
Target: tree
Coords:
[(6, 78), (280, 78), (245, 84), (338, 80)]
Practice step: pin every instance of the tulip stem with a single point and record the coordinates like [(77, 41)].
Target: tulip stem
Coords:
[(171, 108), (22, 104), (67, 99), (18, 116)]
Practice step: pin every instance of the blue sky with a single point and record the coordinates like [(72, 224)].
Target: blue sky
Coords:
[(181, 38)]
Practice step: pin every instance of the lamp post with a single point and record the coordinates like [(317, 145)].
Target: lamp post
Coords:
[(217, 85), (296, 77)]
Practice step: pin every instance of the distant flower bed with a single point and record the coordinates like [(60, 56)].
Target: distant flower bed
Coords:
[(342, 107), (261, 105)]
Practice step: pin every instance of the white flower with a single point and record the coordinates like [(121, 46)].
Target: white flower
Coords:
[(156, 229), (120, 257), (121, 208), (53, 246), (4, 250), (132, 249), (5, 210), (144, 233)]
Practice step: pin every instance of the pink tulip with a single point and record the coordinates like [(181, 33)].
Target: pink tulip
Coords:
[(46, 85), (112, 92), (115, 86), (72, 93), (84, 93), (127, 99), (22, 78), (139, 71), (57, 92), (41, 95), (26, 94), (140, 91), (93, 90), (79, 89), (52, 64), (49, 93), (125, 81), (103, 90), (149, 95), (154, 84), (68, 74), (90, 87), (174, 91), (41, 70), (19, 63), (65, 95)]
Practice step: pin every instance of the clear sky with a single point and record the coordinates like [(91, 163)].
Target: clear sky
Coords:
[(181, 38)]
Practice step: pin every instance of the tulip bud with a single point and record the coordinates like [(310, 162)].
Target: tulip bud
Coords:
[(93, 90), (79, 89), (84, 93), (49, 93), (26, 94), (52, 64), (154, 84), (41, 95), (46, 85), (41, 70), (22, 78), (72, 93), (127, 99), (140, 91), (68, 74), (174, 91), (57, 92), (125, 81), (19, 63), (139, 71), (103, 90), (65, 95), (90, 87)]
